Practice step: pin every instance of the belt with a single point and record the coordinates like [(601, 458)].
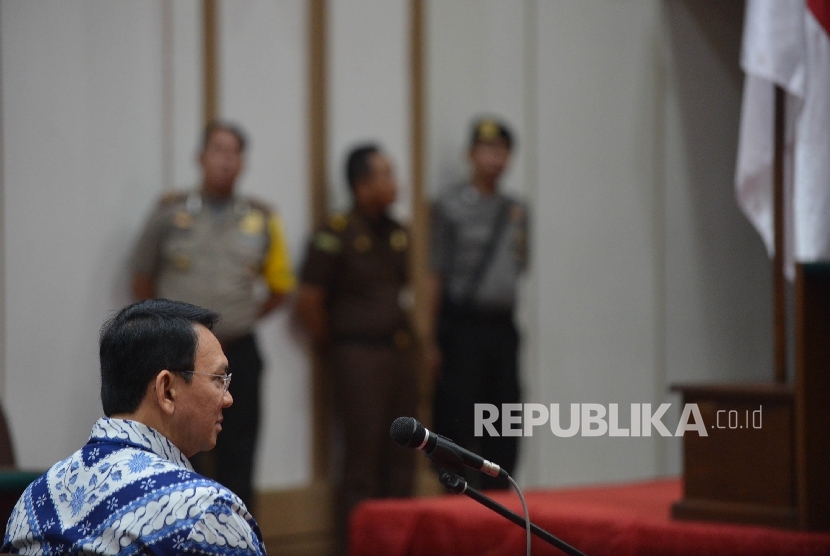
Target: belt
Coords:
[(470, 310), (400, 340)]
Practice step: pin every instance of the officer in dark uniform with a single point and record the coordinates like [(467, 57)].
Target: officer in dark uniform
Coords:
[(354, 301), (478, 251)]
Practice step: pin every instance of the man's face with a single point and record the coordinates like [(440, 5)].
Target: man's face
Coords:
[(490, 158), (382, 183), (199, 410), (221, 162)]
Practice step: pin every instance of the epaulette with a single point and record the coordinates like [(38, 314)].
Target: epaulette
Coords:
[(172, 198), (338, 222), (327, 242), (260, 205)]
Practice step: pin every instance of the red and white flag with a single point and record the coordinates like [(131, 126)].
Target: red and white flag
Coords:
[(787, 43)]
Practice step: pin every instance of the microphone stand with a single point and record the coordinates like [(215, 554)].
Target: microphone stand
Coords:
[(458, 485)]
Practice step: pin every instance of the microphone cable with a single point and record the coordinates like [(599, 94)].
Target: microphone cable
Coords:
[(524, 508)]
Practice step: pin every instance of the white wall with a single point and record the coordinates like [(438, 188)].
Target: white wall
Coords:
[(596, 237), (183, 91), (82, 131), (368, 90), (719, 321), (263, 69), (475, 64)]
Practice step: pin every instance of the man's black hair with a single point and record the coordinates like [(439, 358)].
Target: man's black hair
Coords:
[(217, 125), (140, 341), (357, 163)]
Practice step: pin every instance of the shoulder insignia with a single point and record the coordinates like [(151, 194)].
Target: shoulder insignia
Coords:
[(399, 240), (172, 198), (338, 222), (327, 242), (260, 205)]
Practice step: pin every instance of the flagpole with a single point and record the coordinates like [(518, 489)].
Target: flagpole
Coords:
[(779, 282)]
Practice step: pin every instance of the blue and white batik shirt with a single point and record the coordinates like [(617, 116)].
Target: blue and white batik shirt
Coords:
[(129, 490)]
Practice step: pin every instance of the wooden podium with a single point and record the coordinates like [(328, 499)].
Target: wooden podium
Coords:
[(774, 470), (812, 395)]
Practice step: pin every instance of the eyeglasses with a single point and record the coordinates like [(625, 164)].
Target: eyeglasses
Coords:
[(226, 379)]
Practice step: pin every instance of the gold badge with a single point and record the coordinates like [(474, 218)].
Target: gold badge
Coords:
[(362, 243), (338, 222), (327, 242), (399, 240), (181, 261), (488, 130), (402, 339), (253, 223), (182, 220)]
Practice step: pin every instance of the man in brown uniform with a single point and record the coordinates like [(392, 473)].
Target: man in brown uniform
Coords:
[(354, 303)]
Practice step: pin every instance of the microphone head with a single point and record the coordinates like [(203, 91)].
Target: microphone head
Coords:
[(407, 432)]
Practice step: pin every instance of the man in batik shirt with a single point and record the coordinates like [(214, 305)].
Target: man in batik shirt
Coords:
[(131, 488)]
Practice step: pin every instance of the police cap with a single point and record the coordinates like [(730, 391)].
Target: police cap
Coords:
[(488, 129)]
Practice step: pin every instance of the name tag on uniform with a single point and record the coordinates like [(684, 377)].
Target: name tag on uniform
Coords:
[(399, 240)]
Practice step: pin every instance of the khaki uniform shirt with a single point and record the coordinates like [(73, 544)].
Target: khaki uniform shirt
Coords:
[(220, 256), (363, 267)]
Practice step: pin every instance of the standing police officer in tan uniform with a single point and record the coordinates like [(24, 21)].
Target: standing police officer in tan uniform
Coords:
[(353, 300), (213, 248)]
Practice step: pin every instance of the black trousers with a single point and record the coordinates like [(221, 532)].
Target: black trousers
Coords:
[(480, 365), (232, 461)]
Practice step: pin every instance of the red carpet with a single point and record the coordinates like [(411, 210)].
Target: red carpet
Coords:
[(617, 520)]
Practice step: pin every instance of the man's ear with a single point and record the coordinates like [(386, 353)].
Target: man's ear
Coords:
[(166, 391)]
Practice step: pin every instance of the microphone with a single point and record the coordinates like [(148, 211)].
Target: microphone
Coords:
[(409, 433)]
